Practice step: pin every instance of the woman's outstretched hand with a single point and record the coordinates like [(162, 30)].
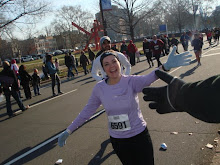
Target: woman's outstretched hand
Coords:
[(62, 138), (174, 60)]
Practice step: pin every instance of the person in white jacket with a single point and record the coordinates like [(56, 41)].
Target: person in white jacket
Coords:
[(105, 43)]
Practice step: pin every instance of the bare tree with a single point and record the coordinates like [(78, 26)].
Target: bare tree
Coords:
[(132, 12), (13, 10), (63, 24)]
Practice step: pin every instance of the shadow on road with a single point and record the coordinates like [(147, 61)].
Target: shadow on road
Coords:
[(98, 158), (4, 114), (189, 72), (32, 155), (136, 73)]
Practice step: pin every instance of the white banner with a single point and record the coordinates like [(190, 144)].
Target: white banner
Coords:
[(106, 5)]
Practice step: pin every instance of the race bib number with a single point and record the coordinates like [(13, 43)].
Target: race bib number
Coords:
[(156, 47), (119, 122), (146, 50)]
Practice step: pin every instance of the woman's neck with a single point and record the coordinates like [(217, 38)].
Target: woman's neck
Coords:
[(113, 81)]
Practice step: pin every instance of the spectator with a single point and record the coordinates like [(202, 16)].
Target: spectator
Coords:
[(114, 48), (57, 65), (36, 82), (74, 63), (126, 55), (131, 52), (83, 62), (91, 56), (10, 90), (25, 81), (69, 65), (15, 68), (53, 74), (124, 47)]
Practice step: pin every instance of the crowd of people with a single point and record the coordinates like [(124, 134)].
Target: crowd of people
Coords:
[(117, 90), (128, 54)]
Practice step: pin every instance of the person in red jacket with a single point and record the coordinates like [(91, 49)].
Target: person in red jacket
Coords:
[(156, 46), (131, 52)]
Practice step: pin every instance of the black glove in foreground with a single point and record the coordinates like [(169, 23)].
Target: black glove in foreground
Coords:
[(200, 99), (163, 98)]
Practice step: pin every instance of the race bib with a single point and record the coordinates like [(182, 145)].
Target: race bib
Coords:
[(146, 50), (156, 47), (119, 122)]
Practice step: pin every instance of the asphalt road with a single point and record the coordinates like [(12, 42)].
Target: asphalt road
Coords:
[(31, 138)]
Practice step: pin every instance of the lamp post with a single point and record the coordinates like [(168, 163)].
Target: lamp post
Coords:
[(103, 20), (195, 8)]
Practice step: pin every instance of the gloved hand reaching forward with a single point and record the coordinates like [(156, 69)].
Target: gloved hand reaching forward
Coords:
[(62, 138), (174, 60), (163, 98), (199, 99)]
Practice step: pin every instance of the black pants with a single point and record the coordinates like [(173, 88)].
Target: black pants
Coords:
[(132, 58), (85, 69), (54, 78), (149, 57), (27, 90), (15, 95), (157, 56), (137, 150)]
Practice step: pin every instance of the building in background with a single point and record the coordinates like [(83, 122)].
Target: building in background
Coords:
[(113, 22), (44, 45)]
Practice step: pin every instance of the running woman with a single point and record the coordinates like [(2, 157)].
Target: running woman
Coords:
[(197, 43), (118, 93)]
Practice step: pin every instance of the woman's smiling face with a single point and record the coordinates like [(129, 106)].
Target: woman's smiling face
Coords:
[(111, 66)]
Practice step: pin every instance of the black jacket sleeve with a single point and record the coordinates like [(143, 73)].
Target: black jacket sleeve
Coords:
[(201, 99)]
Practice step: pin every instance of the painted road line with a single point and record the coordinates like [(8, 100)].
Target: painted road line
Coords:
[(51, 139), (53, 98)]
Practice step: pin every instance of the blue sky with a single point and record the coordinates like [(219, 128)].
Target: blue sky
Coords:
[(90, 5)]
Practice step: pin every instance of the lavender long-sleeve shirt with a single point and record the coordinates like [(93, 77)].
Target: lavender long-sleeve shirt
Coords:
[(120, 99)]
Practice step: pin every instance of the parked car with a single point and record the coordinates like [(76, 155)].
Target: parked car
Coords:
[(26, 58), (35, 57), (42, 55), (57, 52)]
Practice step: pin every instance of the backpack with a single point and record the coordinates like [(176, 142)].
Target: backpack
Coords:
[(6, 81)]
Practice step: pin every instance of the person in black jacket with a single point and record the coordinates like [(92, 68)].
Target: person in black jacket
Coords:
[(174, 42), (83, 62), (69, 63), (36, 82), (147, 52), (10, 90), (124, 47), (91, 56), (199, 99), (25, 81)]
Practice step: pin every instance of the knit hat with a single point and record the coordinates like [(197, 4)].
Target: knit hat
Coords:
[(103, 39), (13, 61)]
